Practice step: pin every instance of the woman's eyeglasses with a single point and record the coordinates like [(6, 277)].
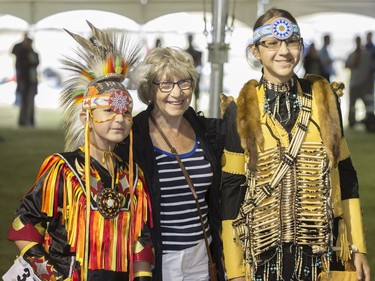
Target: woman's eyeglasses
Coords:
[(166, 86), (275, 44)]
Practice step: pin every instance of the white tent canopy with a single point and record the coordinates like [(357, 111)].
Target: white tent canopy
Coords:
[(142, 11), (171, 20), (77, 20)]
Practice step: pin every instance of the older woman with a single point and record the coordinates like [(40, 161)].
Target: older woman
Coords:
[(167, 85)]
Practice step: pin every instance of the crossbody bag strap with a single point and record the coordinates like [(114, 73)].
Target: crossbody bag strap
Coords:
[(190, 184)]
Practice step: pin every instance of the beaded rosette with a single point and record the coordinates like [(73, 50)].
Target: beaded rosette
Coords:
[(280, 28)]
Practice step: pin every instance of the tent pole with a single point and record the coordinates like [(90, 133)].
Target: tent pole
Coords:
[(218, 54)]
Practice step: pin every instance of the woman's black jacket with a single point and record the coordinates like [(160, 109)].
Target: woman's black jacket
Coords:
[(210, 135)]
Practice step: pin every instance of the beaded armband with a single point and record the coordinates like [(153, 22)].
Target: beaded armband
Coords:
[(143, 253), (143, 276)]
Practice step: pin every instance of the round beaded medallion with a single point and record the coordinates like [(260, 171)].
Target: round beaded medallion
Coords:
[(109, 203)]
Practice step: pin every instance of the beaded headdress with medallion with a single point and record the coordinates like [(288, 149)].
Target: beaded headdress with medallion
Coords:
[(108, 55)]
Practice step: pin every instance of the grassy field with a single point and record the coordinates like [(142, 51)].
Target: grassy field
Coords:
[(22, 151)]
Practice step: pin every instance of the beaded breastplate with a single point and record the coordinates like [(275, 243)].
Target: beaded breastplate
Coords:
[(296, 210)]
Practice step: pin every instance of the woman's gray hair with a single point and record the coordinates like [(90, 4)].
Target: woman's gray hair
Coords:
[(163, 63)]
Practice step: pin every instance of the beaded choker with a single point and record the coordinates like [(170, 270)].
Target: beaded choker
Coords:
[(279, 88), (292, 101)]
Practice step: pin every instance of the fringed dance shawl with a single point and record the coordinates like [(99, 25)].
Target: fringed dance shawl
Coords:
[(62, 192)]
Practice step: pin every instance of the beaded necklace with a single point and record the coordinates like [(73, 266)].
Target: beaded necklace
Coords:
[(108, 200), (292, 101)]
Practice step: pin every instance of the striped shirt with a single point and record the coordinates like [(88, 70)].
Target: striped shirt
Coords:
[(179, 219)]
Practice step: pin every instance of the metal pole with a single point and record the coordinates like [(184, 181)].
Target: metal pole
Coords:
[(218, 54), (261, 5)]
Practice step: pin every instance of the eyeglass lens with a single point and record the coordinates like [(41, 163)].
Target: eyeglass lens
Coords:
[(168, 86), (275, 44)]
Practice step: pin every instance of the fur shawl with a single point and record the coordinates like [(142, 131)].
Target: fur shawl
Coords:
[(249, 116)]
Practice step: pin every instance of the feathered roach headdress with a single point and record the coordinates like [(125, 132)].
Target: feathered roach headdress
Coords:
[(107, 55), (96, 80)]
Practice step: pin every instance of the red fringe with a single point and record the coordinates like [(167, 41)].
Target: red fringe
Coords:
[(110, 239)]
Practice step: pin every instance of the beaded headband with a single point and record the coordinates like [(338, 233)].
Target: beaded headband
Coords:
[(96, 75), (110, 94), (280, 28)]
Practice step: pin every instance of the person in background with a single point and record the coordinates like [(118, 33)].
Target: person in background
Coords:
[(27, 61), (325, 57), (158, 43), (167, 81), (312, 62), (369, 44), (197, 57), (371, 48), (290, 199), (361, 85), (86, 216)]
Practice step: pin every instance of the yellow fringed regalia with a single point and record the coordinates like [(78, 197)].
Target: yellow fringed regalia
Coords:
[(300, 210)]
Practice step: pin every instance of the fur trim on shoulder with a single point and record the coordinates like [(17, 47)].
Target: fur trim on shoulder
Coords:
[(248, 121), (329, 118), (224, 102)]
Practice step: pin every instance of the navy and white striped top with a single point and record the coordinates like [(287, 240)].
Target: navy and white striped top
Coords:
[(179, 219)]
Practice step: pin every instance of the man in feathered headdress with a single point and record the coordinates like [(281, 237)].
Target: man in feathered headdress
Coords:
[(87, 215)]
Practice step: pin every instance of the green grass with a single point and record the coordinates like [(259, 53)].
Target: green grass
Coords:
[(362, 150), (22, 151)]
